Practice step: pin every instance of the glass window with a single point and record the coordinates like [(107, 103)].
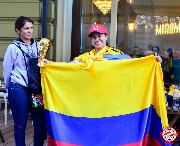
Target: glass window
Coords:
[(142, 26), (90, 15), (157, 29)]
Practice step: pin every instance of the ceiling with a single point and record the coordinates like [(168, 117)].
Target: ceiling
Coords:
[(157, 7), (169, 8), (148, 7)]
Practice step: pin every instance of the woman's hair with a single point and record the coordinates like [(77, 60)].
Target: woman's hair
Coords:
[(21, 21)]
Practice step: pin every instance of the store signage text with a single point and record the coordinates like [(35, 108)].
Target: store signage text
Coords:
[(167, 28)]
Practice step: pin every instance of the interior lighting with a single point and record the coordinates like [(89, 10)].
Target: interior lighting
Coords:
[(103, 5), (131, 26)]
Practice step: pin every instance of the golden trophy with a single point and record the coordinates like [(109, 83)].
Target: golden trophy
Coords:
[(44, 44)]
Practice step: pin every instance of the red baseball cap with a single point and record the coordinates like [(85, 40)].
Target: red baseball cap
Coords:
[(97, 28)]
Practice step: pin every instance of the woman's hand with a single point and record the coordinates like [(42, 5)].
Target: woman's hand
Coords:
[(158, 58), (43, 60)]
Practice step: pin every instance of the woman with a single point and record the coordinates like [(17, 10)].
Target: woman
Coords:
[(99, 35), (16, 83)]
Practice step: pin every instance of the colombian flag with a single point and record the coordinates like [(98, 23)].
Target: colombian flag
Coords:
[(114, 103)]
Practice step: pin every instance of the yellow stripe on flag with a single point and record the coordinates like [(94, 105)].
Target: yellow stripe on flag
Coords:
[(112, 88)]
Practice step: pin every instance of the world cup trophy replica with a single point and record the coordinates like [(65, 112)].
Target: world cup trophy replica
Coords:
[(44, 45)]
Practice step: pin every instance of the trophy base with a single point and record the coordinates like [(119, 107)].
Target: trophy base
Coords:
[(41, 64)]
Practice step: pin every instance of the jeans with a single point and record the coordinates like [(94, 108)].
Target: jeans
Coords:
[(20, 103)]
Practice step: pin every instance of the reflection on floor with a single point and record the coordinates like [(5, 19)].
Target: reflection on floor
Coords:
[(8, 133)]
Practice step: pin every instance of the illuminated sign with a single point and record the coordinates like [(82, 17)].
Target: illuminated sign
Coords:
[(167, 28)]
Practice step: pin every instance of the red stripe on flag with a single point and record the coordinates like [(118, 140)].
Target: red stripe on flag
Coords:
[(147, 141), (52, 142)]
